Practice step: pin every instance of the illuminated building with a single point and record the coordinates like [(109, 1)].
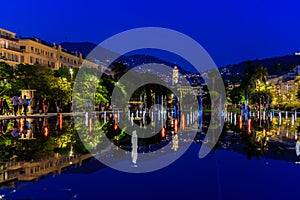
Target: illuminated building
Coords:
[(34, 51), (9, 47)]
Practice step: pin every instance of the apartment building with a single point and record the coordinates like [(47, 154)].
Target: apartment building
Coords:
[(9, 47), (15, 50)]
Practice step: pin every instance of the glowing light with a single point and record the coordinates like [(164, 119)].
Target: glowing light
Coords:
[(249, 126), (115, 126), (60, 122), (241, 122), (264, 132), (46, 131), (163, 132), (90, 125), (183, 122), (176, 125), (21, 125)]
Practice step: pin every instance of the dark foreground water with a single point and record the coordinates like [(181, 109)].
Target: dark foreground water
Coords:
[(221, 175), (231, 171)]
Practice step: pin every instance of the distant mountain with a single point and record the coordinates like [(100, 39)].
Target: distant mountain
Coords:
[(136, 60), (89, 49), (130, 61), (275, 65)]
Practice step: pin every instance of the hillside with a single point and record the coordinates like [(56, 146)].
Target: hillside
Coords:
[(275, 65)]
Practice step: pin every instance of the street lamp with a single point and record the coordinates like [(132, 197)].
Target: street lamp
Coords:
[(71, 73)]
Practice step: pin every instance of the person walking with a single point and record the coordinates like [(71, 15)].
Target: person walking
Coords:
[(15, 102), (58, 105), (45, 105), (25, 105), (20, 102), (5, 106), (1, 106), (40, 106)]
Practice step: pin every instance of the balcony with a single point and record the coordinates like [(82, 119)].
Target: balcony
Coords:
[(13, 49), (9, 38)]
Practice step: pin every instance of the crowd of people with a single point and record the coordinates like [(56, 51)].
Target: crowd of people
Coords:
[(20, 106)]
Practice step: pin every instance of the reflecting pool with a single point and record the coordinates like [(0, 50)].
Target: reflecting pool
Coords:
[(246, 163)]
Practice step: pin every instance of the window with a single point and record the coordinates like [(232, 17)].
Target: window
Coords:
[(22, 59), (22, 47)]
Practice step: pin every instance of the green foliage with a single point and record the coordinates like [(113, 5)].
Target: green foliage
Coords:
[(53, 84), (235, 96)]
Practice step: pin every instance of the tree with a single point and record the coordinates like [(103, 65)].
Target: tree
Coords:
[(119, 69)]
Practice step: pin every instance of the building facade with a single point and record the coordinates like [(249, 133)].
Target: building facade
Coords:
[(9, 47), (34, 51)]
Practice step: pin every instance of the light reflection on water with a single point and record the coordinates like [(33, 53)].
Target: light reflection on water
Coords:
[(279, 146), (273, 136)]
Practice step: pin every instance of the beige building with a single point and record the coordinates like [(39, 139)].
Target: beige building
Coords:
[(9, 47), (35, 51)]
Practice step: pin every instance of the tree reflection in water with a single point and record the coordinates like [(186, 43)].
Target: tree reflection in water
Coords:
[(34, 139)]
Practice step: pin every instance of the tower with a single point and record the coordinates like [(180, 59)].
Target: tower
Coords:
[(175, 76)]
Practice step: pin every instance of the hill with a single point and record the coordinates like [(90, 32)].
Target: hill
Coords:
[(275, 65)]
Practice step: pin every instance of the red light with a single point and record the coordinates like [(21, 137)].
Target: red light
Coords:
[(115, 126), (46, 131), (21, 125), (60, 122), (90, 125), (176, 125), (249, 126), (241, 122), (163, 132), (183, 122)]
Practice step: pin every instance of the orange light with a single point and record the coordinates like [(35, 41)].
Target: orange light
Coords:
[(249, 126), (176, 125), (264, 132), (241, 122), (163, 132), (183, 122), (90, 125), (21, 125), (46, 131), (115, 126), (60, 122)]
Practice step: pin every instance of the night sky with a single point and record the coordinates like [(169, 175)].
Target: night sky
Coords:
[(231, 31)]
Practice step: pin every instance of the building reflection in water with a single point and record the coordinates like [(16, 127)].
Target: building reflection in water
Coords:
[(273, 136)]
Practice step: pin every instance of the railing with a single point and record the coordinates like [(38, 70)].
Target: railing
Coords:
[(9, 38), (13, 49)]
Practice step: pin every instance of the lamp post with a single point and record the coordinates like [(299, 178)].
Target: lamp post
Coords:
[(71, 73)]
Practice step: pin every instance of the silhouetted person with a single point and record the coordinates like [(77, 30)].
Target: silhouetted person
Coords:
[(40, 106), (15, 102), (45, 105), (25, 105), (5, 106)]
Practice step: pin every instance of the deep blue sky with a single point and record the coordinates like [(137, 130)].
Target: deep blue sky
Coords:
[(231, 31)]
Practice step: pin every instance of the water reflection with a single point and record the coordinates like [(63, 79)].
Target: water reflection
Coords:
[(32, 140), (266, 134)]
